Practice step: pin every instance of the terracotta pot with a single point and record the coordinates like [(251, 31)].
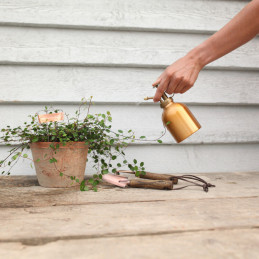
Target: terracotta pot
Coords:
[(71, 161)]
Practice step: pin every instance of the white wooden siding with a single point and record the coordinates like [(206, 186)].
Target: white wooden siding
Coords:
[(53, 53), (165, 15), (91, 47), (32, 84)]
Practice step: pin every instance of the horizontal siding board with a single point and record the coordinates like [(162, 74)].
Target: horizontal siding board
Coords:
[(126, 85), (179, 159), (164, 15), (88, 47), (220, 124)]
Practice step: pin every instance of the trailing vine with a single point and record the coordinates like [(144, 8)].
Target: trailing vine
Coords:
[(106, 146)]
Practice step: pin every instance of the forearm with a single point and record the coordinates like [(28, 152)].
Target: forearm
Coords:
[(242, 28)]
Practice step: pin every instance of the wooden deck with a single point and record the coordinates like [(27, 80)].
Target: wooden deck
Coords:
[(37, 222)]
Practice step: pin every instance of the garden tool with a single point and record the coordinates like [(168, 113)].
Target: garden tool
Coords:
[(177, 118), (122, 181), (193, 180), (162, 182), (153, 176)]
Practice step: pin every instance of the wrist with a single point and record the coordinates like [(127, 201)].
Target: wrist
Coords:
[(201, 55)]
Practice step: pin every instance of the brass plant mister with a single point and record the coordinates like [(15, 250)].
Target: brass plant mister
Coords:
[(177, 118)]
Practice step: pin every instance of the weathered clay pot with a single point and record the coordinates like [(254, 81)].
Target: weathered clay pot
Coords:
[(71, 161)]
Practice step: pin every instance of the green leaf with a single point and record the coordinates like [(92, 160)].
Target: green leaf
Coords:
[(135, 161), (114, 157), (25, 155), (143, 172), (121, 131), (137, 173), (142, 163), (15, 157), (130, 167), (142, 137), (53, 160), (77, 180), (105, 171), (95, 189), (82, 185), (125, 162), (159, 141), (61, 174), (168, 123), (38, 160), (86, 188), (119, 165)]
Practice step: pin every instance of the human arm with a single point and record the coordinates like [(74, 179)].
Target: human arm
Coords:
[(182, 74)]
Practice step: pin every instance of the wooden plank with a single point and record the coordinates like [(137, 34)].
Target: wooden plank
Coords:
[(184, 159), (220, 124), (24, 192), (89, 47), (120, 85), (165, 15), (122, 219), (237, 243)]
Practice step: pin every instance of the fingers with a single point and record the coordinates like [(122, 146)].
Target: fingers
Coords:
[(189, 83), (185, 89), (157, 82), (173, 85), (184, 83), (161, 89)]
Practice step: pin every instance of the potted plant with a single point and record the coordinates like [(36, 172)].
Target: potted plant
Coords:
[(60, 148)]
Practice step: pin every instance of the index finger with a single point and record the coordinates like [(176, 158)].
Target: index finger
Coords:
[(160, 90)]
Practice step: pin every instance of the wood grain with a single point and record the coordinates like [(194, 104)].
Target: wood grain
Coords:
[(156, 217), (163, 15), (120, 85), (24, 192), (121, 48), (142, 222), (151, 184), (212, 244)]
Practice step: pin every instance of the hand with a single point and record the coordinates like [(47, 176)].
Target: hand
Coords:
[(178, 77)]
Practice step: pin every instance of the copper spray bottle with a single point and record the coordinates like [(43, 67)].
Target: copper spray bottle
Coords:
[(177, 118)]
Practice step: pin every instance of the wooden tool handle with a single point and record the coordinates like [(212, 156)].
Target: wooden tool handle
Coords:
[(154, 176), (151, 184)]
